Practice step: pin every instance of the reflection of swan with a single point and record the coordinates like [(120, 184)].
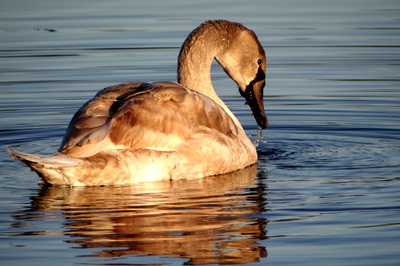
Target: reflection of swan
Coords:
[(210, 220), (137, 131)]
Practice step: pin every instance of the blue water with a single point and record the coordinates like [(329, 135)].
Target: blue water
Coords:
[(325, 190)]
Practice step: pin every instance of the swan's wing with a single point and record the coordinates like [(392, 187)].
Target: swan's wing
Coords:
[(137, 115), (90, 124)]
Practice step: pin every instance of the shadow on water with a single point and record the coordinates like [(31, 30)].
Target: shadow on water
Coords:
[(211, 220)]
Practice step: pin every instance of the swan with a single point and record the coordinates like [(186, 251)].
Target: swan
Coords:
[(137, 131)]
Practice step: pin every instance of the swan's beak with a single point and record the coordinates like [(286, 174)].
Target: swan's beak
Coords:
[(254, 97)]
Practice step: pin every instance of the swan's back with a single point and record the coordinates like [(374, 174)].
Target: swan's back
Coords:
[(161, 116)]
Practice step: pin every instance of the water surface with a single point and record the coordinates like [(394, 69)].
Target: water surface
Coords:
[(326, 188)]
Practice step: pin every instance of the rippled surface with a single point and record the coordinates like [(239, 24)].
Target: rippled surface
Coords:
[(326, 189)]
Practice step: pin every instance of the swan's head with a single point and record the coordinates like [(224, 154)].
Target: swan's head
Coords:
[(245, 62)]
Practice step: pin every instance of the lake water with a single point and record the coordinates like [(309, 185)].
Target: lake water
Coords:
[(326, 190)]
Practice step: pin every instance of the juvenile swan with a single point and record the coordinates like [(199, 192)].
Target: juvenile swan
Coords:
[(138, 131)]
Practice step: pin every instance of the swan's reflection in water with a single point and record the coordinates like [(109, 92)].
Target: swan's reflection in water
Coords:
[(211, 220)]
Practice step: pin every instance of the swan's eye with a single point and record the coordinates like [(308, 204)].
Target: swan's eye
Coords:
[(259, 61)]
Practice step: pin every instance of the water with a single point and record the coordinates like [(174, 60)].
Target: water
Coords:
[(326, 188)]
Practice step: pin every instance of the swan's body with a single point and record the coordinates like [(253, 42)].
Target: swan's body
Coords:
[(138, 131)]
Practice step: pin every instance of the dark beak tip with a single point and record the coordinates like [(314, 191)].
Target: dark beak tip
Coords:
[(263, 124)]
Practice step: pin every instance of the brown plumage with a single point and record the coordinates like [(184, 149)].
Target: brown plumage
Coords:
[(139, 131)]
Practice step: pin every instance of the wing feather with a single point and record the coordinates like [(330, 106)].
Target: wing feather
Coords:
[(139, 115)]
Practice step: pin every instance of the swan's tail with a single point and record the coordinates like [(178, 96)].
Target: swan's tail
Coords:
[(55, 161), (50, 168)]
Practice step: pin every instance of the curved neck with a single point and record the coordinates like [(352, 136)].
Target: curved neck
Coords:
[(196, 56)]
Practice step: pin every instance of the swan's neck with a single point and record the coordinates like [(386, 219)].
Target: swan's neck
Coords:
[(195, 60)]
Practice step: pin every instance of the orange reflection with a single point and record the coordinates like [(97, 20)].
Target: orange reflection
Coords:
[(210, 220)]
